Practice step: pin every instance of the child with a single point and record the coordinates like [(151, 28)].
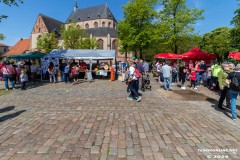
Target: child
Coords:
[(209, 77), (192, 77), (23, 79)]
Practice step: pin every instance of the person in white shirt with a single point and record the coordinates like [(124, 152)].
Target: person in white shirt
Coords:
[(133, 83), (167, 74)]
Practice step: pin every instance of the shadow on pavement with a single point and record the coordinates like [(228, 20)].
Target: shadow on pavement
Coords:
[(10, 116), (6, 109), (227, 110), (31, 85)]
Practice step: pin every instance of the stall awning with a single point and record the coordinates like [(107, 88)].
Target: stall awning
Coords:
[(26, 56), (82, 54), (197, 54), (167, 56), (234, 55)]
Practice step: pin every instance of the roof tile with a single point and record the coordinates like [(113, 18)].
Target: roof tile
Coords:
[(21, 47)]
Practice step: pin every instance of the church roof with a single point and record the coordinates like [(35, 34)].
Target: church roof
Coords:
[(102, 32), (97, 12), (51, 24)]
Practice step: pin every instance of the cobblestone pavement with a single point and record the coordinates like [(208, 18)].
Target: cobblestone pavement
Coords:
[(96, 121)]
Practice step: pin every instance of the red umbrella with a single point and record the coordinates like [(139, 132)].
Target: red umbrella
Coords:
[(167, 56), (197, 54)]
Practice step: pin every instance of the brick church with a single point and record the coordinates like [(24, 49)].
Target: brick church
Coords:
[(98, 22)]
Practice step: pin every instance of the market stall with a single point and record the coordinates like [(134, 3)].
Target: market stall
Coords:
[(89, 56), (197, 55)]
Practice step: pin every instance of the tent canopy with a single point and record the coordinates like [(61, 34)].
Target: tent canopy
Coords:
[(234, 55), (167, 56), (26, 56), (197, 54), (82, 54)]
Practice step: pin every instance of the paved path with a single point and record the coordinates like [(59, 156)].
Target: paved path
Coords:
[(96, 121)]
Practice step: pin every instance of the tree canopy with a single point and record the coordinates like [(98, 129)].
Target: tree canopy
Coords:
[(74, 37), (218, 42), (179, 21), (235, 32), (136, 29), (47, 42)]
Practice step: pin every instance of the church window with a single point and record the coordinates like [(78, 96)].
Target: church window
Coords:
[(95, 24), (87, 26), (103, 24), (109, 24), (114, 45)]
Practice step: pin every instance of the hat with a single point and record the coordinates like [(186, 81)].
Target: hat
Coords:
[(133, 57)]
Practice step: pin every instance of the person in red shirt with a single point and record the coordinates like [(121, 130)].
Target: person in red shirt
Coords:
[(193, 77), (83, 65)]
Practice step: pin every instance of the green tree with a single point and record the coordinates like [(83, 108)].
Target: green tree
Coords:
[(9, 3), (89, 43), (134, 30), (72, 36), (1, 37), (235, 32), (218, 42), (47, 42), (179, 21)]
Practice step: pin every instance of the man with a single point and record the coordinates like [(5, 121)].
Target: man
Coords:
[(201, 74), (139, 66), (167, 74), (182, 75), (222, 76), (61, 68), (215, 69)]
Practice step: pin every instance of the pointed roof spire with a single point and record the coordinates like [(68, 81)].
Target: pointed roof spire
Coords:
[(75, 7)]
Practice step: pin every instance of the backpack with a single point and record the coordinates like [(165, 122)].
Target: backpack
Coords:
[(137, 73), (235, 84)]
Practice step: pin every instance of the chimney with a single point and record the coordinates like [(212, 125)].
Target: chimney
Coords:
[(75, 7), (21, 39)]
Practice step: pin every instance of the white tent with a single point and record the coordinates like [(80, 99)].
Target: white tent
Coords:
[(83, 54), (91, 55)]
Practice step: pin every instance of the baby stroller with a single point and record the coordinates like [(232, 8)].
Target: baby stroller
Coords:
[(146, 83)]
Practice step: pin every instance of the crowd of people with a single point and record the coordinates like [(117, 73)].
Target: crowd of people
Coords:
[(224, 77), (21, 73)]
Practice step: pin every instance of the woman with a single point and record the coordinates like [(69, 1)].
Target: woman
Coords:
[(8, 74), (51, 71), (133, 84), (160, 73), (233, 80)]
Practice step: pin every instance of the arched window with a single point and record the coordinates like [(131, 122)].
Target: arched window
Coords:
[(39, 30), (109, 24), (95, 24), (78, 26), (103, 24), (87, 26), (100, 44), (114, 44), (114, 25)]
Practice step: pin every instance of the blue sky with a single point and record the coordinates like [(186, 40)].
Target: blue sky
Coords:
[(22, 19)]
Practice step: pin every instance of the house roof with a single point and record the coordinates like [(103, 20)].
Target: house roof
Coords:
[(86, 14), (102, 32), (3, 45), (51, 23), (21, 47)]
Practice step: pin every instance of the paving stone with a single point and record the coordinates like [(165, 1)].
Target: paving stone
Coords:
[(164, 125)]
